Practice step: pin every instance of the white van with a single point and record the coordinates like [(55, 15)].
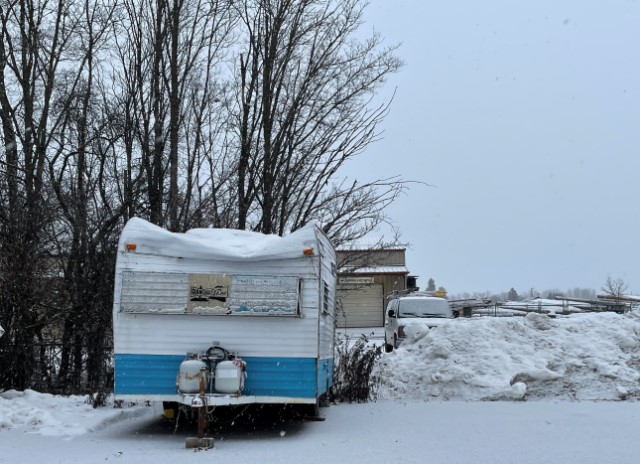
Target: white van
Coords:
[(409, 316)]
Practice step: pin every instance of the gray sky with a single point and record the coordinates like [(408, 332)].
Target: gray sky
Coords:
[(525, 117)]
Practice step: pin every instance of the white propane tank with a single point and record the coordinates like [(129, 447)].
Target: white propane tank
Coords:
[(189, 376), (229, 376)]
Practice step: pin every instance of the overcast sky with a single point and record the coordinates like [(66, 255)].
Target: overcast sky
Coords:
[(525, 116)]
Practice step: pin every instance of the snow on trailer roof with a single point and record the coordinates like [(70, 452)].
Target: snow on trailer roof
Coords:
[(220, 244)]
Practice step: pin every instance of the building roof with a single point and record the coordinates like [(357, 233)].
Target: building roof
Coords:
[(388, 269), (359, 248)]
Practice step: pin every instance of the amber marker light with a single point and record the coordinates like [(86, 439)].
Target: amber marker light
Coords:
[(308, 251), (130, 246)]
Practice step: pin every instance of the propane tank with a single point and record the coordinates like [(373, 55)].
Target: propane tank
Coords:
[(189, 375), (229, 376)]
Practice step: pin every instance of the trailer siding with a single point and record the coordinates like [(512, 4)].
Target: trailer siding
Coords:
[(249, 336), (326, 316)]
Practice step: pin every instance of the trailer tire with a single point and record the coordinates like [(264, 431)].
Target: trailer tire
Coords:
[(170, 409), (311, 412)]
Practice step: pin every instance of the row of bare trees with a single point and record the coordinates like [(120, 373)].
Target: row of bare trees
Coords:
[(190, 113)]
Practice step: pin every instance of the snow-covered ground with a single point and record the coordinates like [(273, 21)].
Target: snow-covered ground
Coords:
[(561, 390)]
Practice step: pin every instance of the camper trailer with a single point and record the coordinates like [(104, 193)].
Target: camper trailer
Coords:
[(219, 317)]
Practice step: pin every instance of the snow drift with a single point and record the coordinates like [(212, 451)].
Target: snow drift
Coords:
[(580, 357)]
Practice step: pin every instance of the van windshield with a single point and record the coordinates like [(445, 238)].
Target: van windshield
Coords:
[(424, 308)]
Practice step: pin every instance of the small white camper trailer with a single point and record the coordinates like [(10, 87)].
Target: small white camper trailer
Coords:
[(223, 317)]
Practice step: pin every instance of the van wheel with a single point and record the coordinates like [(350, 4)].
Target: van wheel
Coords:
[(387, 348)]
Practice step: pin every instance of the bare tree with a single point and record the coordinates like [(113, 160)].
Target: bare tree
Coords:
[(37, 37), (615, 288), (168, 53), (198, 34), (305, 87), (89, 215)]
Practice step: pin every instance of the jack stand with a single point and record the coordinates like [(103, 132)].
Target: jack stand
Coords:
[(201, 441)]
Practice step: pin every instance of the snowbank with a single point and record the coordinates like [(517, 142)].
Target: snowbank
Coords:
[(55, 415), (581, 357)]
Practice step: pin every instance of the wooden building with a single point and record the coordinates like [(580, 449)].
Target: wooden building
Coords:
[(365, 277)]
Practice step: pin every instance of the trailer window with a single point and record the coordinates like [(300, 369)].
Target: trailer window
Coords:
[(209, 294), (325, 297)]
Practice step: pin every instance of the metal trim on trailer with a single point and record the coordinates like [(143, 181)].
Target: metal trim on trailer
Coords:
[(214, 399)]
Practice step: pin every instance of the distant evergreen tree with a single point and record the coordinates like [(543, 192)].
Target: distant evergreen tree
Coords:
[(512, 295), (431, 285)]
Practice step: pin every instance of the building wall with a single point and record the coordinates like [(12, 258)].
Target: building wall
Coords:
[(368, 258), (358, 267)]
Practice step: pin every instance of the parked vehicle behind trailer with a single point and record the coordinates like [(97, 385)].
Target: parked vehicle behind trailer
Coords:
[(410, 316)]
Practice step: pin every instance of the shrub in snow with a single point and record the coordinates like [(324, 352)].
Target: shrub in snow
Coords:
[(352, 373)]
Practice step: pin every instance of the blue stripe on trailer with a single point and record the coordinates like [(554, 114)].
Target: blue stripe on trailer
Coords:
[(146, 374), (287, 377), (325, 375), (290, 377)]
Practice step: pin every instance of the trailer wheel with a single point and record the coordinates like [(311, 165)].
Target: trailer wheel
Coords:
[(170, 409), (311, 412)]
